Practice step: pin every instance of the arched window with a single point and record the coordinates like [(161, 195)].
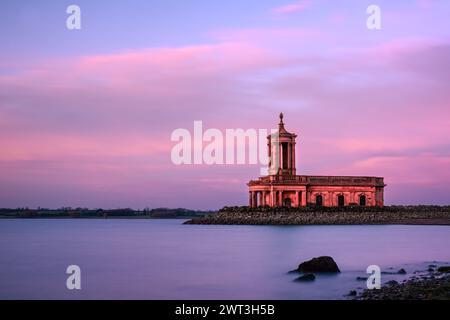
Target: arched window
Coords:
[(287, 202), (362, 200), (341, 200), (285, 154), (319, 200)]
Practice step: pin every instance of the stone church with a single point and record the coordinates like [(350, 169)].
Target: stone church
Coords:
[(283, 187)]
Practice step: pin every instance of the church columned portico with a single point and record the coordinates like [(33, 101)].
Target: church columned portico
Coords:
[(277, 197), (283, 187)]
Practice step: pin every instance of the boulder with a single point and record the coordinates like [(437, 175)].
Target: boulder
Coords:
[(320, 264), (401, 271), (306, 277), (352, 293), (444, 269)]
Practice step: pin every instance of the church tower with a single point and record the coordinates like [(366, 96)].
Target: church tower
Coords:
[(281, 151)]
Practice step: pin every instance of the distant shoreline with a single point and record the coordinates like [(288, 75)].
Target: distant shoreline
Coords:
[(82, 213), (388, 215), (96, 218), (355, 215)]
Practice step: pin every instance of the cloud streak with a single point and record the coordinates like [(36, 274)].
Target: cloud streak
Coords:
[(293, 7)]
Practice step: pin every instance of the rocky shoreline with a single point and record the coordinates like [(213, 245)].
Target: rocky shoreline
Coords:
[(435, 285), (414, 215), (430, 284)]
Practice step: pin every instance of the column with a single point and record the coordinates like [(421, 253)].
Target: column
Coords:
[(280, 148), (293, 158), (379, 197), (280, 198), (273, 196), (263, 202), (304, 198), (299, 199), (250, 196), (289, 156)]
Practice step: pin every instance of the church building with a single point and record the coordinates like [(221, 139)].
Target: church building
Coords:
[(283, 187)]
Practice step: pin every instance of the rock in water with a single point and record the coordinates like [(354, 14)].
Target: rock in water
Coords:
[(352, 293), (401, 271), (320, 264), (444, 269), (306, 277)]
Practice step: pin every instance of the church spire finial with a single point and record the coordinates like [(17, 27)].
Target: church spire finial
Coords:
[(281, 124)]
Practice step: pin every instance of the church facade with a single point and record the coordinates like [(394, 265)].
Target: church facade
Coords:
[(283, 187)]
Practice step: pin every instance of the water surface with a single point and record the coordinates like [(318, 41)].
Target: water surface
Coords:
[(164, 259)]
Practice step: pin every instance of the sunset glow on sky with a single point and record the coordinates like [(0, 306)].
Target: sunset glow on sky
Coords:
[(86, 115)]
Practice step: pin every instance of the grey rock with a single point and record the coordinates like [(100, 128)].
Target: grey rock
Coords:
[(401, 271), (320, 264), (444, 269), (306, 277), (352, 293)]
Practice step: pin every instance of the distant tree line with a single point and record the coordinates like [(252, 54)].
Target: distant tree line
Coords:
[(68, 212)]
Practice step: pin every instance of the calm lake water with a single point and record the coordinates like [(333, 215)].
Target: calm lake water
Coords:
[(164, 259)]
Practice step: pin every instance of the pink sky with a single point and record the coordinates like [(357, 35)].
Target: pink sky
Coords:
[(93, 130)]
